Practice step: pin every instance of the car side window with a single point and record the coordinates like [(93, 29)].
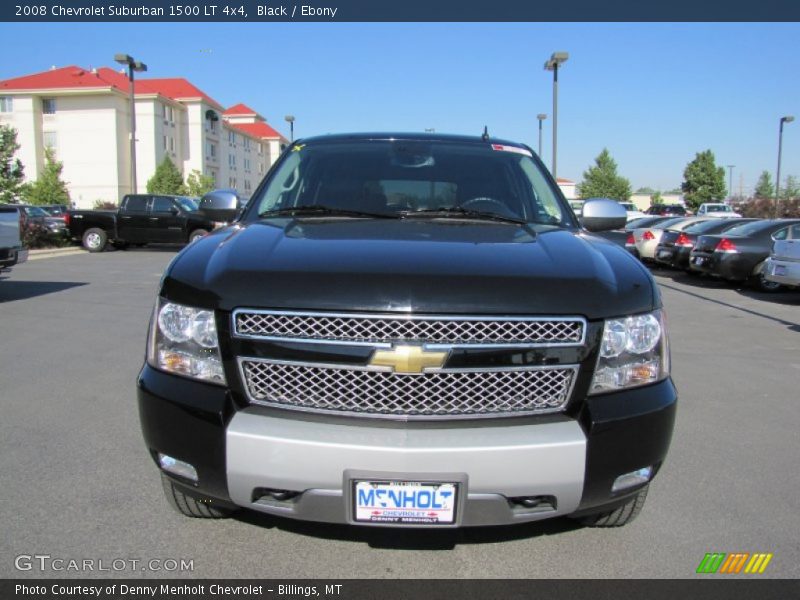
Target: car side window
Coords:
[(162, 204), (794, 232), (136, 203)]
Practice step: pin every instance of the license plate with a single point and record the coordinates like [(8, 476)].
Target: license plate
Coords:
[(779, 270), (405, 502), (698, 260), (664, 254)]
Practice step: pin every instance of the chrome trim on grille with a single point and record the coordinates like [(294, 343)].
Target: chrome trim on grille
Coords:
[(385, 384), (384, 340)]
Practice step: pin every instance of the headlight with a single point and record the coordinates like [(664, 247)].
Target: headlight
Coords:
[(183, 340), (633, 352)]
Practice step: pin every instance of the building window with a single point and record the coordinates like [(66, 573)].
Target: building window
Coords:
[(247, 144), (212, 125), (165, 142), (211, 150), (50, 139), (232, 161), (172, 144), (247, 165), (246, 185), (232, 182), (261, 148), (260, 168), (232, 137), (6, 106), (169, 113), (49, 106)]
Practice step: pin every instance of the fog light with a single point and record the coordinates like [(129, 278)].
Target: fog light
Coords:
[(177, 467), (629, 480)]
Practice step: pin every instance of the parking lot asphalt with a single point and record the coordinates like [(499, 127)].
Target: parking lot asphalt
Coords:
[(78, 483)]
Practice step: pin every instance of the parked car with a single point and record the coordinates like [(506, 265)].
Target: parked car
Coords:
[(11, 227), (56, 210), (667, 210), (717, 209), (141, 219), (647, 237), (675, 245), (364, 347), (783, 265), (740, 253), (38, 216), (624, 237), (632, 210)]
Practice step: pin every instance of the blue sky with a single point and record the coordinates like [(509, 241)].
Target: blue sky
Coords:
[(654, 94)]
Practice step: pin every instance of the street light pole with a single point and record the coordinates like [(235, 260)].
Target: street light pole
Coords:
[(556, 59), (133, 65), (290, 120), (730, 181), (541, 117), (786, 119)]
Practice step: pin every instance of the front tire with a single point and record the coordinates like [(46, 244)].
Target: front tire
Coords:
[(622, 515), (189, 505), (95, 239), (197, 234)]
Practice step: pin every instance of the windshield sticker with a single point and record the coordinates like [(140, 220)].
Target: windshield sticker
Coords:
[(516, 149), (298, 147)]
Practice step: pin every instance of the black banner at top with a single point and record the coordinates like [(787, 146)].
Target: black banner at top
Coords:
[(397, 10)]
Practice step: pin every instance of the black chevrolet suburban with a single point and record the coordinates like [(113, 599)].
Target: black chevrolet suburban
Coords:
[(409, 331)]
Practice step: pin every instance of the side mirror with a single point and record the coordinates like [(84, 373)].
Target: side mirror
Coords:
[(603, 214), (220, 205)]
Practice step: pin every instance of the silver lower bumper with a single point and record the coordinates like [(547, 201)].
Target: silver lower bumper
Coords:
[(495, 462)]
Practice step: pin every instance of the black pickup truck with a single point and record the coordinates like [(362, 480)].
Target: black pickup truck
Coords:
[(409, 330), (141, 219)]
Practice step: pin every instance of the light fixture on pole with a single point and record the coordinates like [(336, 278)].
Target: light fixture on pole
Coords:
[(290, 120), (730, 180), (541, 117), (786, 119), (556, 59), (133, 66)]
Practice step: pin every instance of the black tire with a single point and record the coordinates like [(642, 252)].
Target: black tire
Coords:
[(189, 505), (197, 234), (762, 283), (621, 515), (95, 239)]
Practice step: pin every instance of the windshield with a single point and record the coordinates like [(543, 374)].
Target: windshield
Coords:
[(187, 204), (718, 208), (666, 223), (35, 211), (402, 178), (704, 226), (750, 228)]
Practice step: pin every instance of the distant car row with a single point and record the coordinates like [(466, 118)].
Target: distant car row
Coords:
[(765, 252)]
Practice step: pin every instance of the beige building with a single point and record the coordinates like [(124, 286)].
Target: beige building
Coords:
[(84, 115)]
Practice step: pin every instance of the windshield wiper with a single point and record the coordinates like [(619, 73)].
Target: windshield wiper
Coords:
[(460, 211), (320, 209)]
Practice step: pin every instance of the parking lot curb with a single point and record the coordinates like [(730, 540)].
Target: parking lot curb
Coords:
[(52, 252)]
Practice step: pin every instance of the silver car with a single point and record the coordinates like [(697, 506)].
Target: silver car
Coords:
[(783, 265)]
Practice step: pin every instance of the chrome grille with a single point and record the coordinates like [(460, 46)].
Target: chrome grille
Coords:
[(385, 329), (446, 393)]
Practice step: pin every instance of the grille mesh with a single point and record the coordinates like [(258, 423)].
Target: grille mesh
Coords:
[(432, 330), (380, 393)]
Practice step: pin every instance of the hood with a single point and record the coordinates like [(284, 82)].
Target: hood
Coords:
[(425, 266)]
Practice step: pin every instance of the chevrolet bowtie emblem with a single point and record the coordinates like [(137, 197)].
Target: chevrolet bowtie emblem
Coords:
[(408, 359)]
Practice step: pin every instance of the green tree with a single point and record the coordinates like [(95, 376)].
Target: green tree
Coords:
[(11, 170), (703, 180), (602, 181), (656, 198), (49, 188), (764, 187), (645, 190), (790, 188), (166, 180), (198, 184)]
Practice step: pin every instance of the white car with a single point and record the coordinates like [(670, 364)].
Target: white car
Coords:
[(783, 265), (632, 210), (716, 209)]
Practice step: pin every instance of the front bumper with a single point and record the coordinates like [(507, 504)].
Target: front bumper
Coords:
[(240, 454)]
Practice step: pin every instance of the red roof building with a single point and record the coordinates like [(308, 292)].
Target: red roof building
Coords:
[(84, 115)]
